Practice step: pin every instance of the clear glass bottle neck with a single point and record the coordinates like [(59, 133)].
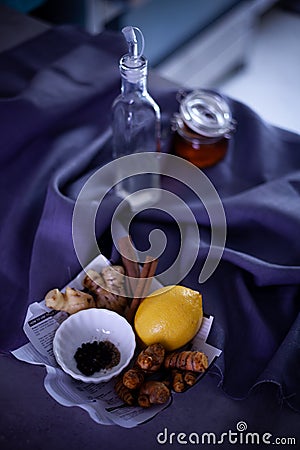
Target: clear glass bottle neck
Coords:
[(138, 86), (133, 74)]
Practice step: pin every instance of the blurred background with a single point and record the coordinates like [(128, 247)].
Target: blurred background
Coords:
[(249, 49)]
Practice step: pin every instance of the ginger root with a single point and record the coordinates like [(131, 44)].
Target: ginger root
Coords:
[(94, 282), (187, 360), (100, 295), (71, 301), (151, 358), (113, 277), (153, 393)]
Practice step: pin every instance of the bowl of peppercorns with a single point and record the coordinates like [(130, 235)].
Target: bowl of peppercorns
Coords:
[(94, 345)]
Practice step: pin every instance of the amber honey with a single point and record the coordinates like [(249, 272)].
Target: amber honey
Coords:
[(199, 150), (202, 128)]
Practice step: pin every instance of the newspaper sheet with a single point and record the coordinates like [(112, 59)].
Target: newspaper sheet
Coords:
[(99, 400)]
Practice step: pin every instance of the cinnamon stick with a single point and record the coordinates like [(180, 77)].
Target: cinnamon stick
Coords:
[(130, 313), (139, 281), (147, 273), (143, 286), (129, 259)]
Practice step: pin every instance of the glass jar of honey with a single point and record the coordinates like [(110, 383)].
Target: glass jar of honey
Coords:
[(202, 128)]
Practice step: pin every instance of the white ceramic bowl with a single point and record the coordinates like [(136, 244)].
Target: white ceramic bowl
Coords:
[(88, 326)]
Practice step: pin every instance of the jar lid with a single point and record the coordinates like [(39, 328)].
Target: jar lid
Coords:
[(207, 113)]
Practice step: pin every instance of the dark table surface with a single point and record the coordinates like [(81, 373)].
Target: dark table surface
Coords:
[(56, 92)]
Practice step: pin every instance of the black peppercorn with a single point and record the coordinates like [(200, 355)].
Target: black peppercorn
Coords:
[(94, 356)]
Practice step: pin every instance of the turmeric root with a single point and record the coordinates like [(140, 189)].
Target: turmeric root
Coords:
[(103, 298), (185, 366), (190, 377), (187, 360), (153, 392), (124, 393), (178, 383), (133, 378), (182, 380), (151, 358)]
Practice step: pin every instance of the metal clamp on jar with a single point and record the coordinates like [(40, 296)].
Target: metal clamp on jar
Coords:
[(202, 127)]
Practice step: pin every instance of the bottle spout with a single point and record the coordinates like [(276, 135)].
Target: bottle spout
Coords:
[(129, 33), (131, 40)]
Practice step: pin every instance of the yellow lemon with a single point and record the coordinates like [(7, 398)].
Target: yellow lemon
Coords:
[(171, 316)]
